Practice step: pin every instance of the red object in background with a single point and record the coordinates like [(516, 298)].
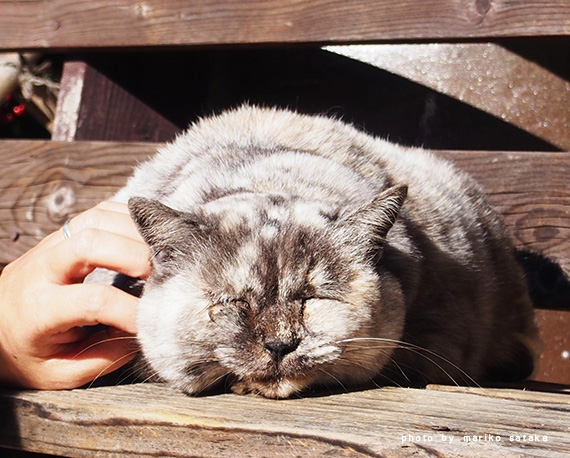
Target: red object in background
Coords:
[(10, 110), (18, 110)]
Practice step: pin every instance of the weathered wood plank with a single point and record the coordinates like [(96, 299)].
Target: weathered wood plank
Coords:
[(153, 420), (132, 23), (554, 361), (531, 191), (43, 183)]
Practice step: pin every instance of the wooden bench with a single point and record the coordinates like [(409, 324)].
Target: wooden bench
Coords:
[(484, 82)]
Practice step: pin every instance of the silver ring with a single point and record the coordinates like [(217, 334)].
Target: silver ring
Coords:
[(65, 229)]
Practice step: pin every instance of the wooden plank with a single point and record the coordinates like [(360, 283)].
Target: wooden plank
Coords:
[(45, 182), (10, 68), (531, 191), (486, 76), (554, 362), (61, 24), (69, 102), (91, 106), (113, 422)]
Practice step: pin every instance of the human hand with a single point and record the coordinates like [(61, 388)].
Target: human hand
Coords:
[(44, 304)]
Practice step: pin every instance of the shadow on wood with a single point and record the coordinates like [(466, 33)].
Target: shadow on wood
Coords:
[(549, 285), (182, 86)]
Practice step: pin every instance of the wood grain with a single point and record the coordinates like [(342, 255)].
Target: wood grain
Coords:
[(44, 182), (76, 24), (553, 364), (531, 191), (153, 420)]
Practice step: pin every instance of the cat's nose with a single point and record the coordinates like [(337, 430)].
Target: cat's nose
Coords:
[(278, 349)]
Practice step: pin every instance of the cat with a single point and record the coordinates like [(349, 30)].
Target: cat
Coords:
[(291, 251)]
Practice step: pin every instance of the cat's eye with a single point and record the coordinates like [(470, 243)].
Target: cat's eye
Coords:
[(241, 303), (217, 306)]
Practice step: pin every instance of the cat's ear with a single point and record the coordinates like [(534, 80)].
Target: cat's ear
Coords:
[(167, 230), (156, 222), (374, 219)]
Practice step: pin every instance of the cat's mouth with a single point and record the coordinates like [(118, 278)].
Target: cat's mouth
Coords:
[(275, 389)]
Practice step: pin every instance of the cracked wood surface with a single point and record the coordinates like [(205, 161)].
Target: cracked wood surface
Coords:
[(154, 420)]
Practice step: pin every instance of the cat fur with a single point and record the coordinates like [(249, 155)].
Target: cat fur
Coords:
[(293, 250)]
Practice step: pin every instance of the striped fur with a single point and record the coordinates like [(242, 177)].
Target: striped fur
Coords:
[(291, 251)]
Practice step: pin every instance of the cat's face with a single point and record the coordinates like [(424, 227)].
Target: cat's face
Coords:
[(266, 294)]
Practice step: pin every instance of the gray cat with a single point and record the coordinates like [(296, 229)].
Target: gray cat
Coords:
[(291, 251)]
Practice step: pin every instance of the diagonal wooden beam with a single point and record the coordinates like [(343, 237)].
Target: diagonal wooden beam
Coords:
[(485, 76), (91, 106)]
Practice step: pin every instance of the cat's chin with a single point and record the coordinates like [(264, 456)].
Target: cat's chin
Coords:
[(275, 390)]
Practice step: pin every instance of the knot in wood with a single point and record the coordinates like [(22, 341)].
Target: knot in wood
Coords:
[(482, 6), (60, 204), (141, 9)]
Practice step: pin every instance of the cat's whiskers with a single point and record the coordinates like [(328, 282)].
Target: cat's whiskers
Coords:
[(388, 379), (151, 375), (402, 373), (334, 378), (416, 349), (352, 363), (133, 372), (100, 342), (111, 364), (215, 381)]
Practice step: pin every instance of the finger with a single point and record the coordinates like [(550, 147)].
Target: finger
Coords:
[(97, 345), (72, 260), (110, 205), (86, 305), (107, 216)]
